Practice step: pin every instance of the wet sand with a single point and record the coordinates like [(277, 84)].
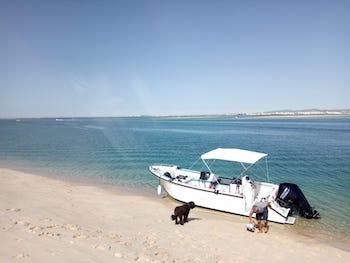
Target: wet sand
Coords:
[(48, 220)]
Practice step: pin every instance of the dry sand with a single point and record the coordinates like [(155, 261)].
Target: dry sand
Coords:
[(48, 220)]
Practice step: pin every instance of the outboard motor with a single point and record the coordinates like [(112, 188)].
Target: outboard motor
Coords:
[(290, 196)]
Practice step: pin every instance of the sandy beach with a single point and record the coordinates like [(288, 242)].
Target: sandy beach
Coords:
[(48, 220)]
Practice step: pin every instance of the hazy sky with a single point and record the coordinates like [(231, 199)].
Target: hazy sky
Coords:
[(93, 58)]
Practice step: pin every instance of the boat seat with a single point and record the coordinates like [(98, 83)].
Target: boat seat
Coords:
[(167, 174), (181, 177), (204, 175), (225, 181)]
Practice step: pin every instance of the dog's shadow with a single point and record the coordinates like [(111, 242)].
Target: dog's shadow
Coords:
[(193, 219)]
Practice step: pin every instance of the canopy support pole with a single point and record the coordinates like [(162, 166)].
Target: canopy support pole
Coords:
[(207, 166), (246, 169), (194, 163), (243, 166), (267, 170)]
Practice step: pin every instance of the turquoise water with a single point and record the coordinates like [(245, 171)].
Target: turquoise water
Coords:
[(314, 153)]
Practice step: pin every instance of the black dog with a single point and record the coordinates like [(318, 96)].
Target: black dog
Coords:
[(181, 212)]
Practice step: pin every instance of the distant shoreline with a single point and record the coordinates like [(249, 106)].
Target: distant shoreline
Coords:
[(209, 116), (254, 116), (286, 113)]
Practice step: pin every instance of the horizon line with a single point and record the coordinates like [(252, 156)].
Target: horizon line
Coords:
[(282, 113)]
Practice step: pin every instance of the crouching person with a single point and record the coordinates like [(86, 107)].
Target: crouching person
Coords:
[(260, 209)]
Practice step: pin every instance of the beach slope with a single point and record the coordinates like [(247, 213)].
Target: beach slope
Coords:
[(48, 220)]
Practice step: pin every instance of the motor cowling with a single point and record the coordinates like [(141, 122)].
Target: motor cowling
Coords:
[(290, 196)]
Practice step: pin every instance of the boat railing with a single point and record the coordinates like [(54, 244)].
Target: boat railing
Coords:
[(163, 164), (173, 165), (189, 170)]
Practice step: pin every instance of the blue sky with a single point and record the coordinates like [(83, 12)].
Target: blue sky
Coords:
[(111, 58)]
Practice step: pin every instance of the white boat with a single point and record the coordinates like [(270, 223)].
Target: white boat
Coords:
[(232, 195)]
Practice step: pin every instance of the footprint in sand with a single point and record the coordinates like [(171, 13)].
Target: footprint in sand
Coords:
[(13, 209), (143, 258), (80, 236), (14, 223), (21, 255), (113, 236), (49, 234), (149, 243), (34, 229), (73, 227), (99, 247), (179, 234), (24, 223), (102, 247), (197, 259), (52, 234), (53, 226), (46, 219)]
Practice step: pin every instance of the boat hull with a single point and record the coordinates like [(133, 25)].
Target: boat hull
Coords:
[(212, 199)]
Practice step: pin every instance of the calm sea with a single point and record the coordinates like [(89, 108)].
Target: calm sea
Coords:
[(312, 152)]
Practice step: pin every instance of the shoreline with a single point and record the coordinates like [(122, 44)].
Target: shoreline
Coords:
[(338, 240), (100, 182), (105, 223)]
